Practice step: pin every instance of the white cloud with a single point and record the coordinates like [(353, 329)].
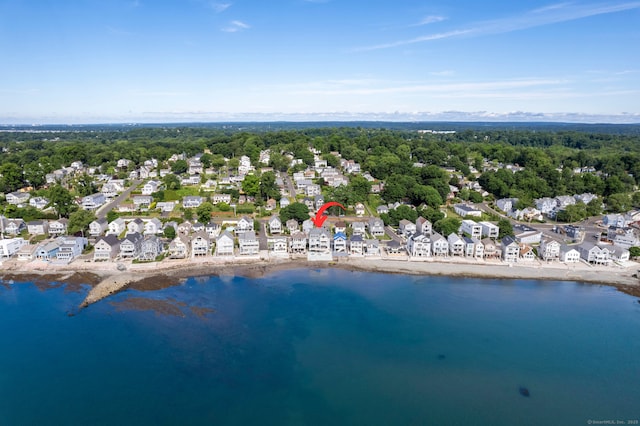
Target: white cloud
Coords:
[(235, 26), (431, 19), (553, 14), (219, 7)]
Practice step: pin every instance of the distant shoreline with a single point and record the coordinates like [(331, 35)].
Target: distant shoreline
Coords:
[(105, 279)]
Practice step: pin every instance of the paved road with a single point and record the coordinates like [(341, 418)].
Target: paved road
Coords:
[(289, 183), (101, 213), (262, 235)]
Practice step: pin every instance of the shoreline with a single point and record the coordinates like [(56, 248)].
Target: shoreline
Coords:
[(105, 279)]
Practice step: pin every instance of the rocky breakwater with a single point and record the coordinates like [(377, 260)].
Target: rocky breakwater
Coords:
[(108, 286)]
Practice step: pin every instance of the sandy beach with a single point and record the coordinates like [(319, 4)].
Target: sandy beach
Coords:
[(105, 278)]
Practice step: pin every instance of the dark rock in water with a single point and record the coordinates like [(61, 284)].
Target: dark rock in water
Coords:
[(524, 391), (441, 356)]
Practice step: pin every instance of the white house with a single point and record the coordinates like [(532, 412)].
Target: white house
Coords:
[(221, 198), (248, 244), (150, 187), (179, 247), (10, 246), (136, 225), (423, 226), (131, 245), (13, 226), (200, 244), (70, 248), (98, 227), (38, 227), (192, 201), (376, 227), (549, 250), (471, 228), (359, 209), (152, 226), (319, 240), (212, 229), (419, 245), (224, 244), (275, 225), (439, 245), (17, 198), (151, 248), (59, 226), (569, 254), (298, 242), (142, 202), (510, 249), (92, 202), (38, 202), (245, 224), (464, 210), (489, 229), (278, 246), (106, 248), (117, 226), (456, 245), (356, 245), (406, 227)]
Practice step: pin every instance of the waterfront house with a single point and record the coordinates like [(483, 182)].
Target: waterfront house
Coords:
[(116, 227), (371, 247), (275, 225), (423, 226), (59, 227), (200, 244), (319, 240), (419, 245), (439, 245), (339, 243), (526, 234), (393, 248), (38, 227), (278, 246), (92, 202), (595, 254), (27, 252), (469, 246), (248, 244), (456, 245), (491, 249), (136, 225), (359, 228), (510, 249), (224, 244), (549, 250), (10, 246), (478, 248), (151, 248), (70, 248), (130, 246), (376, 227), (179, 247), (48, 250), (526, 253), (356, 245), (106, 248), (569, 254), (471, 228), (298, 242)]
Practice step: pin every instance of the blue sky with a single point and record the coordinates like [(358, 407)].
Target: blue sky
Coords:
[(89, 61)]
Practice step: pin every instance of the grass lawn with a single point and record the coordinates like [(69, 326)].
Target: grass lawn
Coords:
[(177, 194)]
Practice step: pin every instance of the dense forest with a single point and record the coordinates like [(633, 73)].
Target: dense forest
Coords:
[(548, 162)]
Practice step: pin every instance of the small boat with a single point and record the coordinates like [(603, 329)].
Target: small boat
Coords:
[(524, 391)]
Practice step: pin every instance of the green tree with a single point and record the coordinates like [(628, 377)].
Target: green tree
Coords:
[(427, 195), (86, 185), (223, 207), (11, 177), (187, 214), (111, 216), (268, 187), (635, 199), (80, 220), (506, 229), (619, 203), (61, 200), (171, 181), (203, 211), (169, 232), (179, 167), (34, 174), (447, 226), (297, 211), (634, 252), (360, 187), (251, 185)]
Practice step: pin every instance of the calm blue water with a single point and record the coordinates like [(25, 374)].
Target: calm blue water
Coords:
[(322, 347)]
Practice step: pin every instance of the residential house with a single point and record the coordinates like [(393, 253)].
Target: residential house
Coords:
[(406, 227), (526, 234), (318, 201), (245, 224), (284, 202), (59, 227), (106, 248), (319, 240), (359, 228), (13, 226), (439, 245), (151, 248), (142, 202), (179, 247), (184, 228), (10, 246), (619, 254), (17, 198), (70, 248), (562, 201), (38, 202), (489, 229), (248, 244), (298, 242), (212, 229), (27, 252), (97, 227), (278, 246), (197, 227), (423, 226), (339, 243), (456, 245), (131, 245), (471, 228), (116, 227), (491, 249), (38, 227), (478, 248), (192, 201), (576, 233), (309, 203), (225, 244), (166, 206), (359, 209), (221, 198), (464, 210), (340, 226), (356, 245), (382, 209), (123, 163), (510, 249), (419, 245), (549, 250), (569, 254), (527, 253), (546, 205), (393, 248), (585, 198), (111, 189), (292, 226), (92, 202), (469, 246), (592, 253), (270, 205), (311, 190), (617, 220), (48, 250), (275, 225), (200, 245), (507, 204), (307, 226), (150, 187), (152, 226), (371, 247), (376, 227), (136, 225)]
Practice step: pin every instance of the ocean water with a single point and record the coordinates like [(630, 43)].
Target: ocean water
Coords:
[(321, 347)]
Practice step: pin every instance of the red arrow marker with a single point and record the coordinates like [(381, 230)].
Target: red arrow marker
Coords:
[(320, 218)]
